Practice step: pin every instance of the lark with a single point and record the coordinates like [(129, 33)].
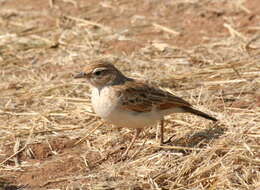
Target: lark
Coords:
[(131, 103)]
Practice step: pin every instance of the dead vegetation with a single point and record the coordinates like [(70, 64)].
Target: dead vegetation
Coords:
[(205, 51)]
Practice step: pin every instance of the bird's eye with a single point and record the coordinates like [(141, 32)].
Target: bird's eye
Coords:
[(97, 73)]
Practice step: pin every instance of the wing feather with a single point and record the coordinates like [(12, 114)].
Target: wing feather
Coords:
[(142, 97)]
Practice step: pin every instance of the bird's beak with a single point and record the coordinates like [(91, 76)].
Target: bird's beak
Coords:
[(80, 75)]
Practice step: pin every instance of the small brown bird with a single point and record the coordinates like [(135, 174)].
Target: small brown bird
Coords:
[(126, 102)]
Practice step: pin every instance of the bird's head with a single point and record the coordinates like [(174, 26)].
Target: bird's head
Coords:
[(101, 74)]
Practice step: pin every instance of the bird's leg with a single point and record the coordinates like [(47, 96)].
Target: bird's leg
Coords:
[(137, 132), (161, 132)]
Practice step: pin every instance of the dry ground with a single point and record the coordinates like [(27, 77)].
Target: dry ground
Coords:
[(205, 51)]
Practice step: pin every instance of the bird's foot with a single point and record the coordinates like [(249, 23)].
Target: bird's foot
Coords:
[(167, 141), (122, 157)]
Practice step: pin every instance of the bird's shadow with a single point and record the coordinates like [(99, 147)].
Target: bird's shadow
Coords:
[(199, 139)]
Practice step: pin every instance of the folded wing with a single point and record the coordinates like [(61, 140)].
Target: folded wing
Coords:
[(142, 97)]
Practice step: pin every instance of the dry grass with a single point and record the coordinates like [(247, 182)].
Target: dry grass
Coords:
[(40, 101)]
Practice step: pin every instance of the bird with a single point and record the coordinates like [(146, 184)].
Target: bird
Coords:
[(132, 103)]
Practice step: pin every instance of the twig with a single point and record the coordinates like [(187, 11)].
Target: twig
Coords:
[(51, 2), (23, 148), (166, 29), (178, 147), (226, 81), (82, 139), (233, 32), (16, 148), (89, 22)]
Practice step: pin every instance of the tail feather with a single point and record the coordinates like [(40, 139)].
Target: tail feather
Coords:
[(199, 113)]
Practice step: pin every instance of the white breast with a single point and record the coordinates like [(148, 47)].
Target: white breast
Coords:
[(102, 102), (106, 106)]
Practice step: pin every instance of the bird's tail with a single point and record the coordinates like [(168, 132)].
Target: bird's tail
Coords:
[(199, 113)]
